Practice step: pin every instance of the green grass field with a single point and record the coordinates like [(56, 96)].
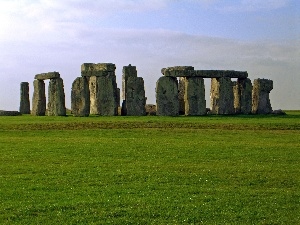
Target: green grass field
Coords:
[(150, 170)]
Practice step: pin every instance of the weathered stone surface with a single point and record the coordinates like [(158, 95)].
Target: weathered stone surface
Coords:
[(80, 97), (188, 71), (221, 96), (56, 98), (150, 110), (194, 96), (260, 96), (181, 91), (128, 71), (94, 89), (46, 76), (9, 113), (107, 96), (242, 90), (177, 71), (167, 103), (97, 69), (39, 98), (135, 102), (24, 98)]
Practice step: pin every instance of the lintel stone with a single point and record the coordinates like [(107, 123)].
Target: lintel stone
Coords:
[(46, 76), (97, 69)]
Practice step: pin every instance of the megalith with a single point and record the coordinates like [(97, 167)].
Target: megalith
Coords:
[(167, 103), (133, 92), (181, 92), (260, 96), (221, 96), (56, 98), (194, 96), (242, 90), (24, 98), (80, 97), (39, 98), (103, 88)]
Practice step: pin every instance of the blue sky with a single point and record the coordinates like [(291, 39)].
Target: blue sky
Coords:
[(261, 37)]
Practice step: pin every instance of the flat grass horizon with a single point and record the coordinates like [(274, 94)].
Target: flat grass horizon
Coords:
[(150, 170)]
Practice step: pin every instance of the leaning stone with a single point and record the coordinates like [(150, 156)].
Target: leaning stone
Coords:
[(242, 90), (24, 98), (135, 102), (39, 98), (221, 96), (56, 98), (260, 96), (46, 76), (167, 103), (80, 97), (194, 96)]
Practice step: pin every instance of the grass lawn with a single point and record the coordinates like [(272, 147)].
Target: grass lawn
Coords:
[(150, 170)]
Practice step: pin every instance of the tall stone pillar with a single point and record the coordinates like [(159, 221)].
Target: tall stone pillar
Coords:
[(260, 96), (181, 93), (94, 101), (133, 92), (56, 98), (39, 98), (242, 90), (24, 98), (221, 96), (167, 103), (194, 96), (80, 97)]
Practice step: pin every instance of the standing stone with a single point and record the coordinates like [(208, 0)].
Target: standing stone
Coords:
[(260, 96), (194, 96), (56, 98), (221, 96), (242, 90), (107, 95), (181, 92), (80, 97), (135, 102), (24, 98), (39, 98), (94, 89), (128, 71), (167, 103)]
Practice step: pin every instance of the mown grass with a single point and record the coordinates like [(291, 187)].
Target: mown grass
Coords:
[(150, 170)]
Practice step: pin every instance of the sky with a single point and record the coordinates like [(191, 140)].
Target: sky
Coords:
[(261, 37)]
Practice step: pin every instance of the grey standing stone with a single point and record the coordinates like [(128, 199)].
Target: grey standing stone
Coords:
[(242, 90), (181, 92), (221, 96), (24, 98), (80, 97), (107, 96), (194, 96), (167, 103), (260, 96), (135, 102), (94, 101), (128, 71), (39, 98), (56, 98)]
